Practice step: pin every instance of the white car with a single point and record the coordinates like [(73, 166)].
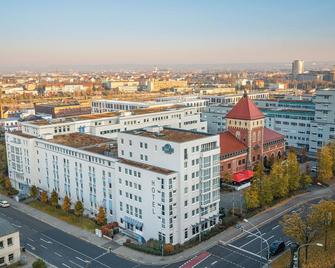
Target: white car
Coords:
[(4, 204)]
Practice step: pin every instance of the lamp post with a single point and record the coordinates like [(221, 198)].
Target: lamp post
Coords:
[(298, 251), (259, 232), (259, 236)]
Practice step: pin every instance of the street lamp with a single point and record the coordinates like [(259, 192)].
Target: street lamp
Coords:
[(306, 245), (259, 232)]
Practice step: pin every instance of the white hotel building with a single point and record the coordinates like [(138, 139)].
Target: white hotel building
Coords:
[(157, 183)]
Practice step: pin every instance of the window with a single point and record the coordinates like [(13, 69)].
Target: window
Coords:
[(11, 257), (1, 245), (2, 260), (186, 233), (10, 241)]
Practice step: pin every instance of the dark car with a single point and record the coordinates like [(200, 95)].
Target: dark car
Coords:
[(277, 247)]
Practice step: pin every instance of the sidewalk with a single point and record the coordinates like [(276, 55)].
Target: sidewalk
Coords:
[(225, 237)]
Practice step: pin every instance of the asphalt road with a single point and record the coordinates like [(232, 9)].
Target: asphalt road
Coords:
[(245, 251), (59, 248)]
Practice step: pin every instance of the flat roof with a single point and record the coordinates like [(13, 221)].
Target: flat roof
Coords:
[(79, 140), (19, 133), (156, 169), (170, 134), (6, 228)]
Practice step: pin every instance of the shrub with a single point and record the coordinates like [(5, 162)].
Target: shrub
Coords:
[(39, 264), (168, 248)]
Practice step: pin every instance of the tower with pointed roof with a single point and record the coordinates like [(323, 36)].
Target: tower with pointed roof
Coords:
[(246, 122)]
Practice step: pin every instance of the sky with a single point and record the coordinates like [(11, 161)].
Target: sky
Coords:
[(85, 32)]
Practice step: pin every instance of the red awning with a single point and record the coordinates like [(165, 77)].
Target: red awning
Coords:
[(243, 175)]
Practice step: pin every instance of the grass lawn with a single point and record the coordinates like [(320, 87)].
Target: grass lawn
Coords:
[(82, 222), (317, 256)]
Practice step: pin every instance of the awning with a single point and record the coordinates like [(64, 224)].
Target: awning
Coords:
[(134, 222), (242, 175)]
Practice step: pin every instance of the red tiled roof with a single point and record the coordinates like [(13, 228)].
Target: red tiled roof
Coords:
[(271, 135), (230, 144), (245, 109)]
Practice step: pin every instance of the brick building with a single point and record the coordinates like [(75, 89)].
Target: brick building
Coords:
[(247, 141)]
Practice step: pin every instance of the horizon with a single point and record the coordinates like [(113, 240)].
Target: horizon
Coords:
[(84, 33)]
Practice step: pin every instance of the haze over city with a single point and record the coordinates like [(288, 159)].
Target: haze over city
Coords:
[(61, 34), (167, 134)]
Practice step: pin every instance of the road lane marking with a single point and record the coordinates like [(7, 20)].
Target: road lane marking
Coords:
[(59, 255), (252, 240), (273, 228), (66, 265), (32, 247), (76, 264), (43, 246), (269, 238), (62, 244), (246, 251), (81, 259), (214, 262), (30, 239), (17, 226), (45, 241)]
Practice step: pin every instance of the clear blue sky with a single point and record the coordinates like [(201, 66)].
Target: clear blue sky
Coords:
[(40, 32)]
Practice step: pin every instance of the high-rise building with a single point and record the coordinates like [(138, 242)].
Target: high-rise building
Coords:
[(297, 68)]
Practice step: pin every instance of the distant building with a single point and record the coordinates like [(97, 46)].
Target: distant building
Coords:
[(231, 99), (62, 109), (157, 85), (10, 250), (297, 68)]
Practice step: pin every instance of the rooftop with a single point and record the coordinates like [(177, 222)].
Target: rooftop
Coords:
[(230, 144), (19, 133), (80, 140), (163, 171), (169, 134), (271, 135), (245, 109), (6, 228)]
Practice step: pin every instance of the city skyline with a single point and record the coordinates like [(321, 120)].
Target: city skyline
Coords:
[(48, 33)]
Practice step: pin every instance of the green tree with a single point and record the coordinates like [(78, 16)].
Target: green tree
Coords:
[(101, 216), (302, 230), (39, 264), (292, 171), (331, 146), (78, 209), (323, 215), (66, 204), (54, 199), (266, 195), (34, 191), (325, 164), (279, 181), (44, 197)]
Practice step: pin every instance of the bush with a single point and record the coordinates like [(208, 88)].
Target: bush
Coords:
[(168, 248), (39, 264)]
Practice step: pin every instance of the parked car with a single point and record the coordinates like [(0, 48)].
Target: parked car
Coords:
[(277, 247), (4, 204)]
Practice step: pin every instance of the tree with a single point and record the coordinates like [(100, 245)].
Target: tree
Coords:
[(54, 199), (331, 146), (168, 248), (8, 184), (325, 164), (34, 191), (323, 215), (305, 180), (39, 264), (78, 209), (251, 197), (266, 196), (44, 197), (66, 204), (101, 216), (302, 230), (279, 181), (292, 171)]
